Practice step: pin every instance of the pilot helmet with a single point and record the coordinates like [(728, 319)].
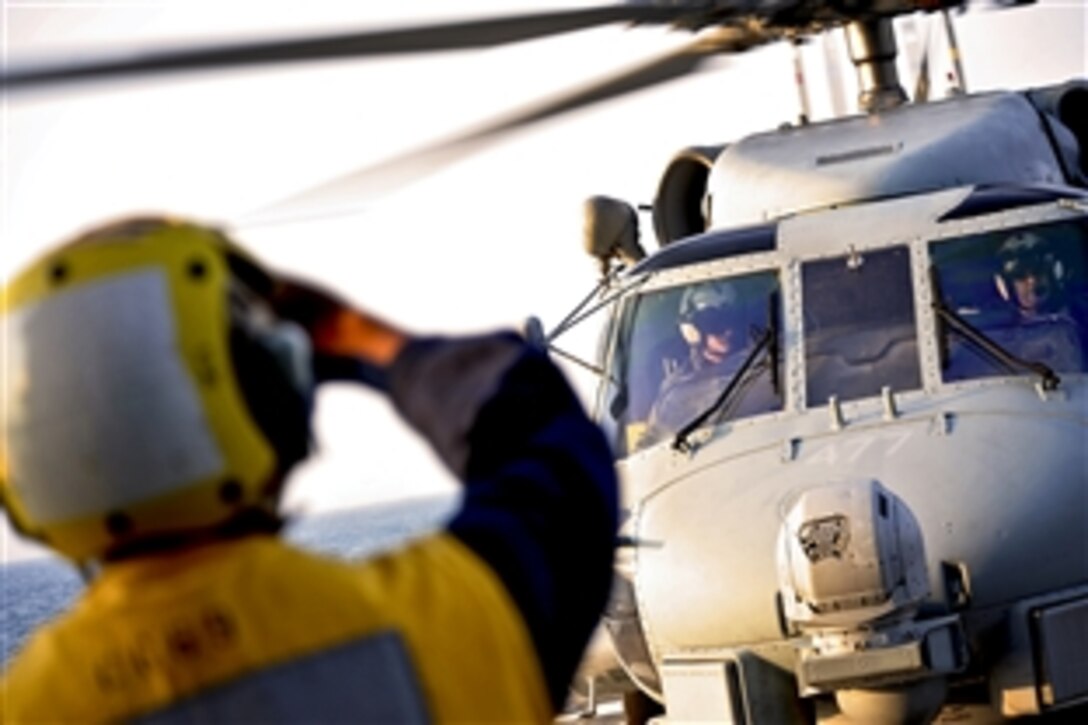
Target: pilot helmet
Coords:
[(1028, 254), (152, 395), (707, 309)]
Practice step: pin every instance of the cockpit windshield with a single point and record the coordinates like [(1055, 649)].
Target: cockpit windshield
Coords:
[(1012, 301), (1025, 289), (677, 349), (859, 326)]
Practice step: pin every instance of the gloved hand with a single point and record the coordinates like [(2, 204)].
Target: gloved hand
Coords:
[(348, 344)]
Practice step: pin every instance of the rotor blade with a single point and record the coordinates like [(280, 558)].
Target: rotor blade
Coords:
[(917, 35), (350, 192), (442, 36)]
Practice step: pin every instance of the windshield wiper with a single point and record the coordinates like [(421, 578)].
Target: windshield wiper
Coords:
[(994, 349), (767, 340)]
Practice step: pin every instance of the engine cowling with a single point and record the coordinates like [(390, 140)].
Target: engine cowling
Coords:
[(680, 206), (1064, 108)]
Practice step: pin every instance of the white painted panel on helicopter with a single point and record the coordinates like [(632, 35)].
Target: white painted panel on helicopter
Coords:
[(867, 225)]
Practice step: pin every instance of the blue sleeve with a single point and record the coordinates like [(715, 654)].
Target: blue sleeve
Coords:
[(540, 489)]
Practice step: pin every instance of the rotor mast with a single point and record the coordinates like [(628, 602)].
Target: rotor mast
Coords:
[(873, 51)]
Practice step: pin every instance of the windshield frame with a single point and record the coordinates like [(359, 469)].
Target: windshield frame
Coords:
[(769, 262)]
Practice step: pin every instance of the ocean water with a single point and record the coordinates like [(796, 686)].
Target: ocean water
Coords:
[(35, 591)]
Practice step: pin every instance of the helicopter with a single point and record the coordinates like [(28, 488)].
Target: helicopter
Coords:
[(785, 557)]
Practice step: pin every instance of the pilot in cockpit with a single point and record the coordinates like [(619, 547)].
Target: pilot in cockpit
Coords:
[(1031, 278), (711, 322)]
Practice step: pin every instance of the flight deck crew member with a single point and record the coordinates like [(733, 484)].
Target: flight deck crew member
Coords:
[(157, 392)]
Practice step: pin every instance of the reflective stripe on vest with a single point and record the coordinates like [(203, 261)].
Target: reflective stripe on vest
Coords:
[(372, 679)]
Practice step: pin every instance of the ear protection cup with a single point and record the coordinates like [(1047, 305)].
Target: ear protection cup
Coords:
[(690, 333), (273, 362), (1002, 287), (273, 368)]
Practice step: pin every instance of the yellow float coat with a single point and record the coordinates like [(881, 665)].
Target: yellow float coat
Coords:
[(150, 633)]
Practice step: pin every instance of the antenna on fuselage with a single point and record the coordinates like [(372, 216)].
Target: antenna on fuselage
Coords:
[(959, 83), (802, 83), (918, 47)]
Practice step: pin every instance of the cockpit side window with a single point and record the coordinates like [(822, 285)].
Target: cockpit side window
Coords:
[(678, 348), (1025, 289), (859, 326)]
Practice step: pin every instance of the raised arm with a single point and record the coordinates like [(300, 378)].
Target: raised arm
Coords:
[(540, 492)]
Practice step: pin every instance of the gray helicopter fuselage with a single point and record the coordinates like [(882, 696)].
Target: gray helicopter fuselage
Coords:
[(986, 461)]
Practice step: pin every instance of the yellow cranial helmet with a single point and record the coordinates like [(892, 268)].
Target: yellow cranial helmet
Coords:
[(149, 391)]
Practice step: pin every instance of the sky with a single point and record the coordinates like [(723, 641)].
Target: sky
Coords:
[(481, 244)]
